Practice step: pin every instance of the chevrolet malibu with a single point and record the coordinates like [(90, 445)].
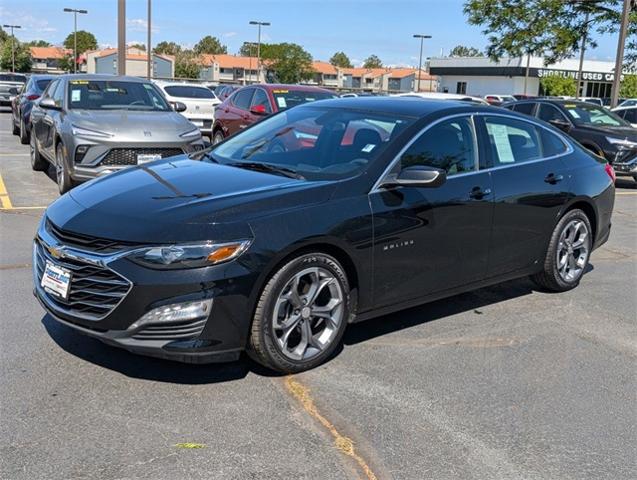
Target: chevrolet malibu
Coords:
[(276, 252), (92, 125)]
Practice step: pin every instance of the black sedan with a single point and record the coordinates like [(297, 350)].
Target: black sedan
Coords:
[(22, 104), (322, 215), (601, 131)]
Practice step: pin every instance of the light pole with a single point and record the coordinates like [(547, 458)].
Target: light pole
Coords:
[(12, 45), (619, 60), (75, 11), (148, 50), (121, 37), (259, 24), (422, 37)]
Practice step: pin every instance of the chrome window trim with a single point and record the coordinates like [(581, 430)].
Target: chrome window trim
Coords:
[(531, 120)]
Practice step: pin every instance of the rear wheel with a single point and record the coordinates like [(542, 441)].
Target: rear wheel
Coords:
[(15, 129), (64, 181), (24, 133), (217, 137), (568, 253), (301, 314), (37, 162)]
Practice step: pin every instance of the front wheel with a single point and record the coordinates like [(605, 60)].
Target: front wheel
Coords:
[(24, 133), (301, 315), (217, 137), (568, 253), (64, 181), (37, 162)]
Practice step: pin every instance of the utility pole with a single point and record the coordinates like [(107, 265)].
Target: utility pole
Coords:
[(259, 24), (526, 73), (12, 45), (121, 37), (75, 11), (422, 37), (148, 49), (619, 60)]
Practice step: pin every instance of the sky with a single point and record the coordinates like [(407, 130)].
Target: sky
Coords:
[(322, 27)]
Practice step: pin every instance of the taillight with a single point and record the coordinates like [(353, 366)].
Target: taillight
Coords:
[(33, 96), (610, 171)]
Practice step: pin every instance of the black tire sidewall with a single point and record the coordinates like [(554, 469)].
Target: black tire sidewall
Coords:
[(275, 358), (64, 184), (217, 135), (570, 216)]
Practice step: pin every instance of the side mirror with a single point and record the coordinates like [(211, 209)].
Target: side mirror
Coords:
[(179, 107), (417, 176), (258, 110), (561, 124), (48, 104)]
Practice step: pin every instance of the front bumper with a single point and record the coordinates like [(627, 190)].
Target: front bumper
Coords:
[(219, 337)]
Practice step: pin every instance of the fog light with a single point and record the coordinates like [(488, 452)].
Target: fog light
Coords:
[(80, 152), (177, 312)]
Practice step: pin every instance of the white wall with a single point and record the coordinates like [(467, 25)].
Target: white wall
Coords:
[(485, 85)]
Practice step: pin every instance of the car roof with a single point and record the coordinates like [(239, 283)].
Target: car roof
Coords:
[(103, 77), (554, 101), (404, 106), (166, 83)]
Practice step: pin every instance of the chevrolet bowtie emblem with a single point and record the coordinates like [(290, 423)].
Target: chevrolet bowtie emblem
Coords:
[(55, 252)]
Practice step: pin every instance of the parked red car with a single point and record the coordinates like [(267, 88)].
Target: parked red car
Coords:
[(252, 103)]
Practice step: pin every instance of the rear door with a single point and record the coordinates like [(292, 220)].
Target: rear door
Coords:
[(237, 114), (530, 183)]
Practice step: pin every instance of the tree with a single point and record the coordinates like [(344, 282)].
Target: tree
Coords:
[(339, 59), (167, 48), (85, 41), (38, 43), (462, 51), (22, 56), (628, 87), (248, 49), (139, 46), (559, 86), (210, 45), (4, 36), (186, 65), (289, 62), (373, 62)]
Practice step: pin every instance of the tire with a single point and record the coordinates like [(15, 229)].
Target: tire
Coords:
[(37, 162), (568, 253), (64, 181), (23, 133), (14, 128), (318, 324), (217, 137)]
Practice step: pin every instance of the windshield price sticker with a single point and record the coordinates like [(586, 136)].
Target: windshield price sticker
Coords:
[(500, 135), (76, 95), (281, 102)]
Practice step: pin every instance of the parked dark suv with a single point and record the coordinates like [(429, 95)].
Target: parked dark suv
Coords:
[(22, 104), (596, 128)]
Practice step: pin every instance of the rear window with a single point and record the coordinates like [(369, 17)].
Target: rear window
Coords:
[(526, 108), (42, 84), (10, 77), (285, 98), (187, 91)]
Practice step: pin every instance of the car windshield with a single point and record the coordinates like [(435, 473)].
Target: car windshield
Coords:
[(189, 91), (590, 114), (315, 143), (286, 98), (115, 95)]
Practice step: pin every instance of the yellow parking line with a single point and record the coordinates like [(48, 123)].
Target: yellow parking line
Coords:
[(5, 201), (625, 193), (24, 208)]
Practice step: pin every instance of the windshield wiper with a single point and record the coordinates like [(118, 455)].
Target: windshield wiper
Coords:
[(203, 153), (267, 168), (259, 146)]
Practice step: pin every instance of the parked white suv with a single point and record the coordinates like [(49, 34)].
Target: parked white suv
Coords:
[(200, 102)]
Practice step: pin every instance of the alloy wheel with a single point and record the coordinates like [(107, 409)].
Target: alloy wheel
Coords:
[(308, 313), (572, 250), (59, 168)]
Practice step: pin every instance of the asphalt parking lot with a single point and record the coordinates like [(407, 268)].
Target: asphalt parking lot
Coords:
[(502, 383)]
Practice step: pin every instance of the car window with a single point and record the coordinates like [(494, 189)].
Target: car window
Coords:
[(448, 145), (50, 89), (589, 114), (549, 112), (525, 108), (261, 98), (241, 99), (42, 84), (188, 91), (58, 94), (630, 115)]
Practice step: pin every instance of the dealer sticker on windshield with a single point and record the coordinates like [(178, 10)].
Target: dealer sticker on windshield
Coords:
[(56, 280)]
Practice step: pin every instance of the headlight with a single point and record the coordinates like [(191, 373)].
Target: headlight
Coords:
[(191, 134), (622, 142), (87, 132), (172, 257)]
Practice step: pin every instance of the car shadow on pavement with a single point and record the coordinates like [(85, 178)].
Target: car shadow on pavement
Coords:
[(625, 184), (147, 368)]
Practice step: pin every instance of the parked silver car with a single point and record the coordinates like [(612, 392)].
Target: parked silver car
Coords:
[(92, 125)]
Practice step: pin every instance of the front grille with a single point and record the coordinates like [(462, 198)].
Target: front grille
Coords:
[(87, 242), (175, 331), (128, 156), (94, 291)]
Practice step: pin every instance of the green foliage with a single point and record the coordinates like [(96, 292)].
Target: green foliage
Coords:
[(289, 62), (462, 51), (628, 87), (339, 59), (210, 45), (139, 46), (248, 49), (4, 36), (167, 48), (66, 63), (38, 43), (559, 86), (22, 56), (186, 65), (373, 62), (85, 41)]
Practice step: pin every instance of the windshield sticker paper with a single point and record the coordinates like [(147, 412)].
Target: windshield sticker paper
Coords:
[(500, 135), (368, 148), (76, 95), (281, 102)]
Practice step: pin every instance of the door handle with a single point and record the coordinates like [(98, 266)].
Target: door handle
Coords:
[(553, 179), (478, 193)]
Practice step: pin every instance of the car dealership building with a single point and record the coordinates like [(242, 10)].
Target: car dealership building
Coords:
[(481, 76)]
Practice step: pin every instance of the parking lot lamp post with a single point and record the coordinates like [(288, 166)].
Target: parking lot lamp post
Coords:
[(259, 25), (12, 45), (149, 53), (422, 38), (75, 11), (619, 60)]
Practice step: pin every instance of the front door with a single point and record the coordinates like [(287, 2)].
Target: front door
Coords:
[(428, 240)]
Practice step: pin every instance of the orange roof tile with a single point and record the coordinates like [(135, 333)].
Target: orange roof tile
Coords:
[(324, 68), (49, 52), (229, 61)]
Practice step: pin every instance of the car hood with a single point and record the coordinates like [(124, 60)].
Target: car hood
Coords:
[(629, 133), (180, 200), (135, 124)]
